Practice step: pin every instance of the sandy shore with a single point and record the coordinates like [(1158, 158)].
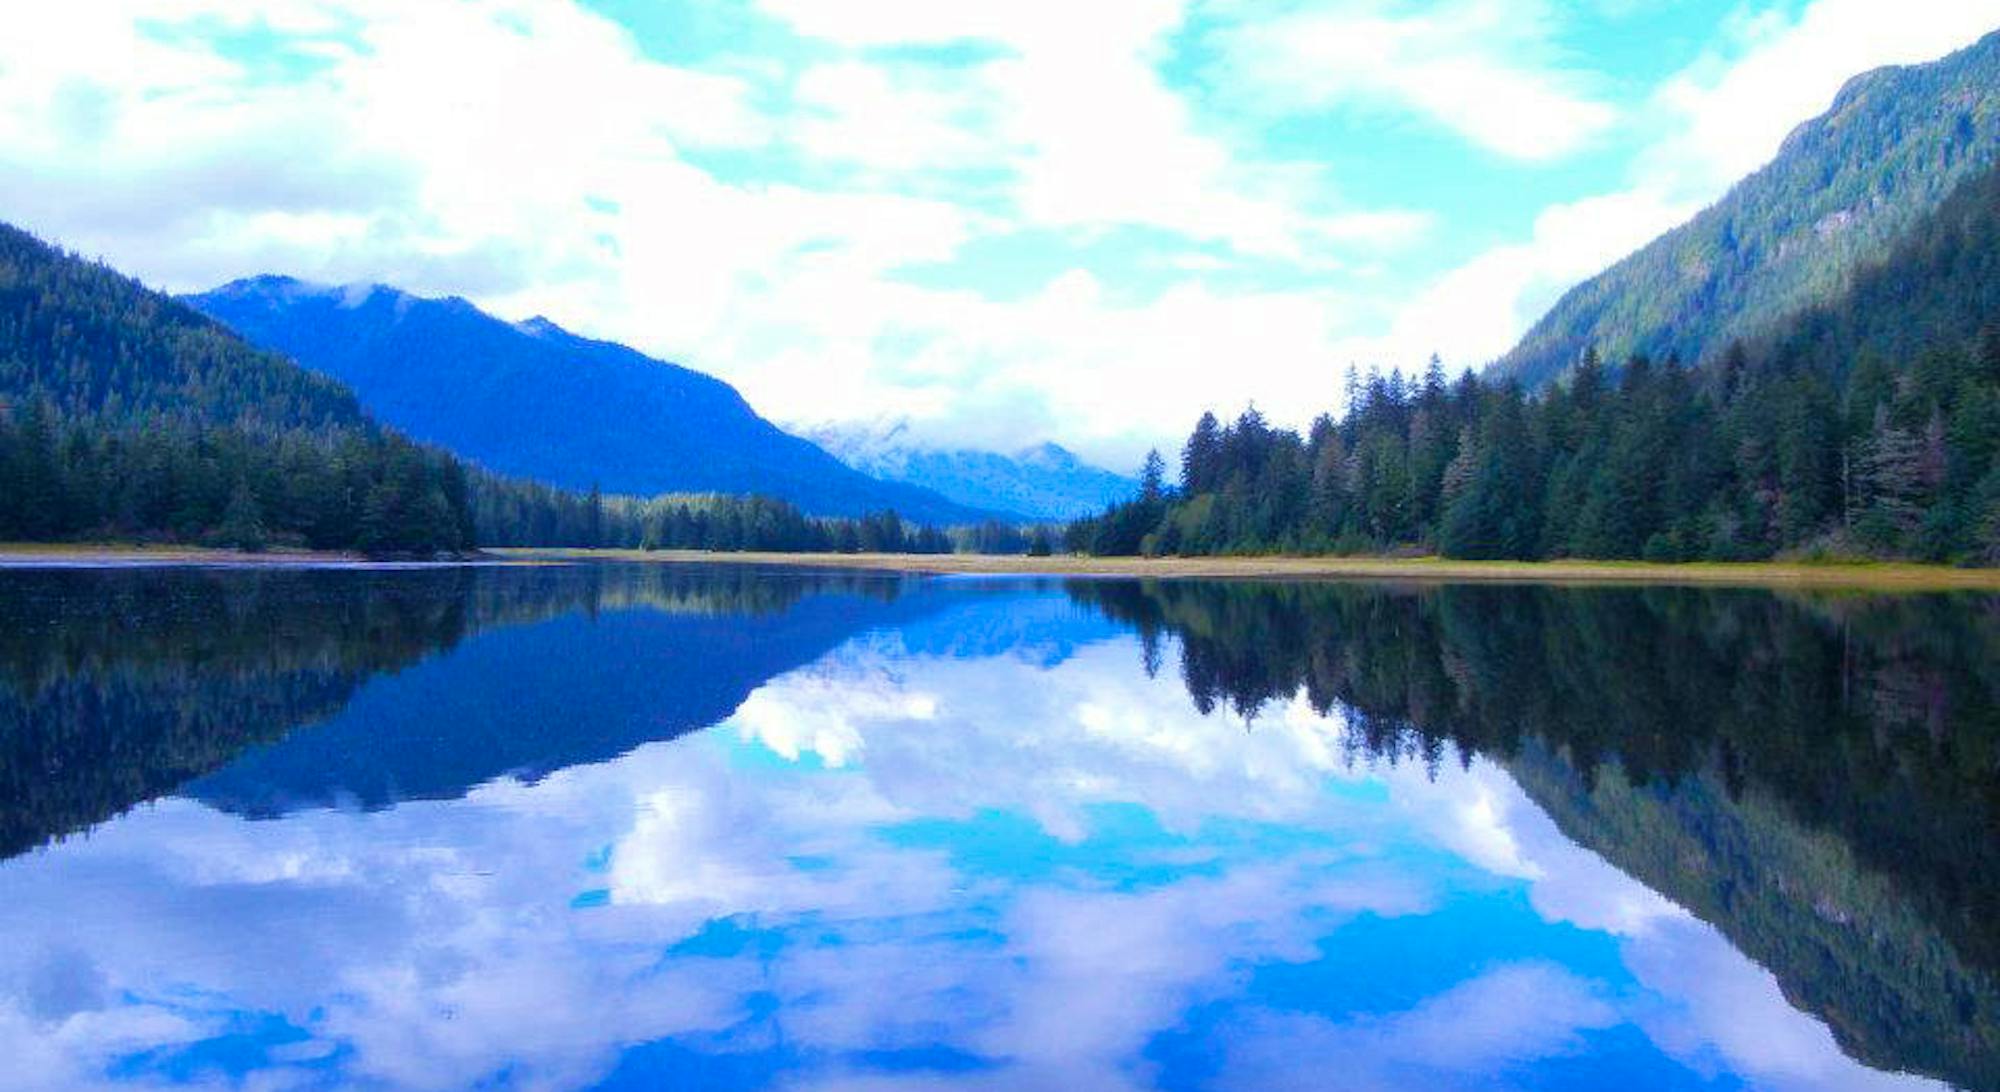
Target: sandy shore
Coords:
[(1895, 577)]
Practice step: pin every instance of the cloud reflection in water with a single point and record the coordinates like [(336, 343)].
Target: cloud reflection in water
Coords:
[(1017, 863)]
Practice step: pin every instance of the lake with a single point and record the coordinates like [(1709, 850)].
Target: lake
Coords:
[(720, 827)]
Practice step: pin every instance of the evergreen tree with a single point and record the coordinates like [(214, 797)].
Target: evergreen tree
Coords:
[(1152, 476), (243, 521), (1201, 457)]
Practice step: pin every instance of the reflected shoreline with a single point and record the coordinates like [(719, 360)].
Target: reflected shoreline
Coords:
[(1815, 776)]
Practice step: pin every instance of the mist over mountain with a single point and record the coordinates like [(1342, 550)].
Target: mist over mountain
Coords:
[(536, 401), (1046, 481)]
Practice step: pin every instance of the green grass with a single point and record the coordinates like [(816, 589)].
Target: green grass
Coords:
[(1879, 576)]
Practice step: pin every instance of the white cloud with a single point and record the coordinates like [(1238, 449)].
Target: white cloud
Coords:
[(1475, 312), (895, 118), (1073, 108), (1722, 118), (1733, 111), (530, 155), (1469, 66), (1463, 1038)]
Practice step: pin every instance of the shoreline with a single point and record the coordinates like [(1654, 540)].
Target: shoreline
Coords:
[(127, 555), (1870, 576), (1862, 576)]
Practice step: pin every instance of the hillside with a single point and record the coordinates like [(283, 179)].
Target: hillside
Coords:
[(1046, 481), (1841, 190), (88, 340), (1867, 423), (126, 414), (535, 401), (1940, 280)]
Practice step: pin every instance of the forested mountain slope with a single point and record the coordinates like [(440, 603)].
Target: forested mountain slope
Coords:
[(1868, 424), (1940, 280), (126, 414), (1842, 189), (535, 401)]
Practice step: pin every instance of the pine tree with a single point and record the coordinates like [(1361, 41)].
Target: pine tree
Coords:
[(1890, 472), (1986, 545), (1152, 476), (1989, 352), (1329, 491), (1201, 456), (243, 521), (37, 483)]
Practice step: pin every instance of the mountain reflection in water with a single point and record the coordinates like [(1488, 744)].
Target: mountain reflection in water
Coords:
[(441, 827)]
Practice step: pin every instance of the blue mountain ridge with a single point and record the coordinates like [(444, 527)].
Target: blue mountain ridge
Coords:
[(1046, 481), (533, 400)]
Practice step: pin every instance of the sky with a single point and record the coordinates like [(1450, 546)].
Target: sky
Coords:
[(1004, 222)]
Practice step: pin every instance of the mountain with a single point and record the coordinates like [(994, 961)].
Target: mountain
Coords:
[(126, 414), (1842, 190), (90, 340), (1045, 482), (1939, 281), (535, 401)]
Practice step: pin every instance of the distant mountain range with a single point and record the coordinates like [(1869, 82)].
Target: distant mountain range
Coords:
[(1044, 482), (535, 401), (1842, 191)]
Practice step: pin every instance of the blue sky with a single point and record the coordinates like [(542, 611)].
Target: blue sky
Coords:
[(1006, 222)]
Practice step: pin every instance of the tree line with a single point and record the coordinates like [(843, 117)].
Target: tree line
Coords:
[(1763, 453), (162, 477), (517, 513), (126, 415), (1866, 424)]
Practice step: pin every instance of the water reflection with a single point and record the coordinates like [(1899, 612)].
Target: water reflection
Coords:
[(951, 833)]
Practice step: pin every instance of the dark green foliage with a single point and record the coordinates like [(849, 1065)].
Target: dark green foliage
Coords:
[(171, 479), (509, 512), (1666, 466), (995, 537), (92, 343), (124, 414), (1844, 188)]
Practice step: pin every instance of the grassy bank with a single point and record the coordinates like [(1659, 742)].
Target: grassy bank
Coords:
[(1865, 577), (1879, 576), (114, 553)]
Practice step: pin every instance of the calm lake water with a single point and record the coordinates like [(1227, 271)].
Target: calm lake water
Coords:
[(652, 826)]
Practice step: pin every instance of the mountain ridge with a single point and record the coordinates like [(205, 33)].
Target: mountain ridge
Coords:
[(1840, 191), (1042, 481), (534, 400)]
